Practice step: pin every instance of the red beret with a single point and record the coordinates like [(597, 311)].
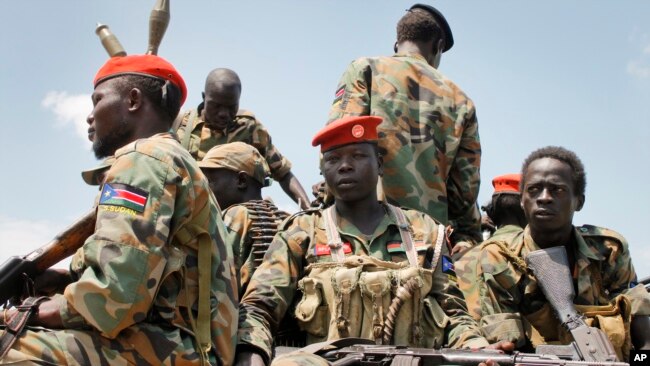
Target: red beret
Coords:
[(146, 65), (507, 183), (348, 130)]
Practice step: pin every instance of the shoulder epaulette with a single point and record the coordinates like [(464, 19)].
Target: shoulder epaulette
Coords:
[(592, 231)]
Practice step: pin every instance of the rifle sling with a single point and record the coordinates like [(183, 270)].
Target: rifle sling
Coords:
[(17, 323)]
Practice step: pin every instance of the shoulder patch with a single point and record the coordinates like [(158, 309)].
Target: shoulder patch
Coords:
[(338, 96), (123, 195)]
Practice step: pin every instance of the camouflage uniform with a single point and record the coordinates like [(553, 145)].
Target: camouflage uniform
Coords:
[(137, 275), (245, 128), (250, 227), (303, 242), (429, 137), (505, 297)]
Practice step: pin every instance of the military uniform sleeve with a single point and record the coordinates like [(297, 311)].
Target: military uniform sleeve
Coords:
[(464, 180), (278, 164), (124, 259), (272, 288), (499, 296), (189, 124), (352, 96), (461, 330)]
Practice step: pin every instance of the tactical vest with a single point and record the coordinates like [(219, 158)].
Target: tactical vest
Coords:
[(362, 296)]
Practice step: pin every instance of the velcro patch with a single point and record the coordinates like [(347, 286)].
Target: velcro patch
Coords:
[(123, 195), (324, 249), (396, 246), (448, 266)]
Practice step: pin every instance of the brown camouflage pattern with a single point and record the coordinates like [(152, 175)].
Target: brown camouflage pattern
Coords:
[(501, 292), (245, 128), (135, 280), (273, 287), (429, 137)]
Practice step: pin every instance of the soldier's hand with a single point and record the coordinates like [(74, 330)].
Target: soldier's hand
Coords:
[(488, 363), (52, 281), (249, 359)]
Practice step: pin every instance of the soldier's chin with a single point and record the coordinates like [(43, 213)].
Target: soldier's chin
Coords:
[(102, 150), (216, 125)]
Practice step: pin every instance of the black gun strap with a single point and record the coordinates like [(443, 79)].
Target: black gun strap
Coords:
[(16, 324)]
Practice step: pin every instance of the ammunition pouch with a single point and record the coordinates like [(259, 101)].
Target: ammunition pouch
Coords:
[(362, 297)]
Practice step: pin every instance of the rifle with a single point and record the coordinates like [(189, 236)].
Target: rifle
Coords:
[(378, 355), (15, 270), (551, 268)]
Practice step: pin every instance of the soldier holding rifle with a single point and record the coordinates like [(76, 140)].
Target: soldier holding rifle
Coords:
[(155, 283), (365, 268), (511, 305)]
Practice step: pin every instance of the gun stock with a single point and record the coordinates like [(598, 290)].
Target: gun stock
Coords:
[(15, 269), (551, 268)]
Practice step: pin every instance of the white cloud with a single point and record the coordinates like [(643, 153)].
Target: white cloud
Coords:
[(639, 66), (19, 237), (70, 110), (639, 69)]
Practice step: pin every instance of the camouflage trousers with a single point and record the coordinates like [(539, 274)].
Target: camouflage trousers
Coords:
[(139, 345)]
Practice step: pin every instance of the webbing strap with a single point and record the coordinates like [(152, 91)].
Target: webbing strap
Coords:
[(333, 237), (189, 128), (437, 249), (16, 324), (405, 233)]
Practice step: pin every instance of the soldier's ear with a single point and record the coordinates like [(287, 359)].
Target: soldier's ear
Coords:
[(135, 99), (242, 180), (203, 96), (581, 202)]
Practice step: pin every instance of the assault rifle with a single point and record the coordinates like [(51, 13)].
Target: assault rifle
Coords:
[(16, 270), (377, 355)]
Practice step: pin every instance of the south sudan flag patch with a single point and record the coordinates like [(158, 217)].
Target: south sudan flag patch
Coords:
[(448, 266), (123, 195), (338, 96)]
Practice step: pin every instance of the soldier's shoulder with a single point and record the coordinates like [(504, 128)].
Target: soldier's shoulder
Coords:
[(303, 219), (164, 148), (601, 235), (245, 115)]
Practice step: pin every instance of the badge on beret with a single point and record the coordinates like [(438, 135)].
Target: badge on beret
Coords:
[(358, 131), (123, 195)]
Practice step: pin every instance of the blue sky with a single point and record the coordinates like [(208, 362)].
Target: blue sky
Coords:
[(570, 73)]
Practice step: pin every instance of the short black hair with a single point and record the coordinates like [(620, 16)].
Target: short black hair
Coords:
[(418, 25), (505, 207), (564, 155), (152, 89)]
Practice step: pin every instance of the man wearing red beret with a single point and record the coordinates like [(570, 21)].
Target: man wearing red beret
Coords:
[(349, 262), (429, 135), (155, 283)]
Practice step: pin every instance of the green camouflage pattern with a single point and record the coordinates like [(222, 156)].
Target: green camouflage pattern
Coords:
[(237, 157), (504, 291), (239, 221), (466, 269), (273, 287), (429, 137), (245, 128), (136, 277)]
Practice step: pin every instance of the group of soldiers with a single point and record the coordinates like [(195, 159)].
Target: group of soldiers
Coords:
[(391, 251)]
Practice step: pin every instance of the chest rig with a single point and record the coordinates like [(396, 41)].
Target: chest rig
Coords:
[(365, 297)]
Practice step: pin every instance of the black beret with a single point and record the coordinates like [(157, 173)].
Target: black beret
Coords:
[(449, 38)]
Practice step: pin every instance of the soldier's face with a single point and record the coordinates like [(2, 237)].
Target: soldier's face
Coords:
[(548, 198), (351, 171), (108, 128), (223, 183), (221, 106)]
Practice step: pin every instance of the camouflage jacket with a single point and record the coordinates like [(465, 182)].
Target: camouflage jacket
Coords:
[(245, 128), (429, 137), (504, 291), (250, 227), (136, 276), (303, 241)]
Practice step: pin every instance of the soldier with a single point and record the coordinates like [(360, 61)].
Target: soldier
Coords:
[(511, 305), (155, 283), (218, 120), (429, 134), (349, 259), (237, 172), (504, 212), (506, 217)]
